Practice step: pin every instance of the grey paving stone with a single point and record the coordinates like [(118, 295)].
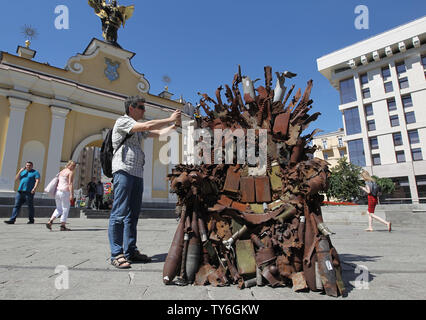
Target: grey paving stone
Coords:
[(29, 255)]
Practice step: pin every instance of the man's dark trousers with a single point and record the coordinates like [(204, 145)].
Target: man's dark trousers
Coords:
[(20, 199)]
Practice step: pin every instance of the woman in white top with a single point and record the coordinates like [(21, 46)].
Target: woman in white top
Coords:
[(64, 196)]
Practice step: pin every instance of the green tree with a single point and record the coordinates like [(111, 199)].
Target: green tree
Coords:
[(344, 183)]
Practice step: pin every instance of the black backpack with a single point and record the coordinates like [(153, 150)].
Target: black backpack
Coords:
[(107, 153), (374, 189)]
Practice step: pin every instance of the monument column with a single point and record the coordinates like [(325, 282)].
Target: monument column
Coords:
[(54, 153), (174, 144), (18, 107), (148, 148)]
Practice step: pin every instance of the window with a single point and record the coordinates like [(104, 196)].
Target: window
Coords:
[(324, 144), (356, 152), (342, 153), (417, 154), (325, 155), (371, 125), (352, 122), (403, 83), (368, 109), (386, 73), (402, 189), (388, 86), (406, 101), (374, 143), (397, 139), (400, 67), (391, 104), (400, 156), (347, 91), (366, 93), (364, 79), (410, 117), (340, 142), (421, 187), (394, 121), (413, 136), (375, 158)]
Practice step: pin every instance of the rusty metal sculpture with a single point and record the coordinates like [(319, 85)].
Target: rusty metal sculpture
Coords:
[(239, 225)]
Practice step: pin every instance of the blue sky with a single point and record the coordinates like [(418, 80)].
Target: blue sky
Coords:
[(199, 44)]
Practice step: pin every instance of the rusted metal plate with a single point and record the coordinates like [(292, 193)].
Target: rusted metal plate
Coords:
[(274, 176), (299, 282), (201, 278), (223, 229), (224, 201), (244, 251), (240, 206), (270, 273), (263, 189), (235, 226), (232, 182), (276, 204), (297, 151), (247, 189), (325, 267), (264, 255), (257, 208), (281, 123)]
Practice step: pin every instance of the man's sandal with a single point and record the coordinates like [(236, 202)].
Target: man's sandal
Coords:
[(120, 262)]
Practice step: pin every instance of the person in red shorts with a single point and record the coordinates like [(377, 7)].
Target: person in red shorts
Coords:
[(372, 190)]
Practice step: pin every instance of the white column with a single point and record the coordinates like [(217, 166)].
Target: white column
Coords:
[(174, 160), (148, 148), (18, 107), (188, 142), (54, 153)]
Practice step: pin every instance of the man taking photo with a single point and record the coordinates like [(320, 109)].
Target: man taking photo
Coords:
[(127, 169)]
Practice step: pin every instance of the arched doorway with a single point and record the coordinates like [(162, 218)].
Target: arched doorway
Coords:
[(87, 156)]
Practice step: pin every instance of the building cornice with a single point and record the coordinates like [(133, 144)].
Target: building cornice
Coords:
[(397, 40), (63, 89)]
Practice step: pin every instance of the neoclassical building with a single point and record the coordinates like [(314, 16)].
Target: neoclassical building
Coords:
[(48, 115), (331, 146)]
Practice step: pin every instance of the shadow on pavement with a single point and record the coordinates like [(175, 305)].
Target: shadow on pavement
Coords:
[(353, 270), (159, 258), (87, 230)]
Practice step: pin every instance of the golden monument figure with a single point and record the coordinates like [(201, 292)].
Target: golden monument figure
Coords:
[(112, 16)]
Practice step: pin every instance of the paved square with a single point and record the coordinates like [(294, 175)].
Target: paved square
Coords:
[(29, 255)]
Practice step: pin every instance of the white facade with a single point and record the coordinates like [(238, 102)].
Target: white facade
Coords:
[(384, 106)]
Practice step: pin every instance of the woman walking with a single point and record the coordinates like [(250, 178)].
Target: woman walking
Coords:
[(371, 188), (64, 196)]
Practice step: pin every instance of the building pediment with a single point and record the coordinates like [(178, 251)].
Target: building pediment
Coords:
[(107, 67)]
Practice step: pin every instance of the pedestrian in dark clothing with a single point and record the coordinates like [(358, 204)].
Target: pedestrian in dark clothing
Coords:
[(29, 179), (99, 195), (91, 191)]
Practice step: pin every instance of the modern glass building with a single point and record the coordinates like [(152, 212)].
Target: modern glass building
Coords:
[(382, 86)]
